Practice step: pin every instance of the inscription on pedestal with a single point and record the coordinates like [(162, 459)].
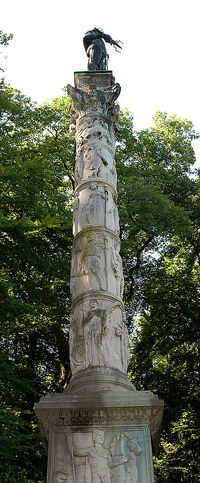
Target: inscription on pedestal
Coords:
[(91, 80)]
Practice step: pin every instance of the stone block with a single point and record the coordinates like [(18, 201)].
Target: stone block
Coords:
[(91, 80)]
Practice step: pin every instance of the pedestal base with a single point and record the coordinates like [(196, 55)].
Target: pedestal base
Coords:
[(101, 436)]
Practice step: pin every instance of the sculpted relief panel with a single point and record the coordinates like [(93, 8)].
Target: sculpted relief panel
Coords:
[(95, 151), (94, 161), (96, 264), (95, 129), (98, 456), (95, 205), (98, 335)]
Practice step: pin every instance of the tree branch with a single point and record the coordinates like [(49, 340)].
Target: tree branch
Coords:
[(137, 265), (62, 342), (70, 177)]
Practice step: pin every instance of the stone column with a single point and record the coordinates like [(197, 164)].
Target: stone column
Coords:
[(98, 332), (99, 429)]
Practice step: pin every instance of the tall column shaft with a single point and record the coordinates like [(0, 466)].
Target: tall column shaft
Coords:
[(98, 332)]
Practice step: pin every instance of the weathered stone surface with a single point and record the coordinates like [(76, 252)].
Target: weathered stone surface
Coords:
[(87, 81), (98, 430), (95, 205), (98, 333), (122, 454), (121, 414), (101, 397)]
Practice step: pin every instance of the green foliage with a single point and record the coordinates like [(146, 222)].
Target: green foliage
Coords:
[(179, 457), (5, 38), (159, 214), (36, 166), (165, 357)]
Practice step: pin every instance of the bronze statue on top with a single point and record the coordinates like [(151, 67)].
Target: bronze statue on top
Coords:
[(95, 48)]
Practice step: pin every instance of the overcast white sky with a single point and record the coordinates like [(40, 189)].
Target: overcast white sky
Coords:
[(158, 68)]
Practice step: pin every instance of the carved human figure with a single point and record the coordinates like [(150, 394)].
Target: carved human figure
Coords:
[(74, 272), (124, 445), (98, 458), (76, 214), (116, 263), (98, 162), (93, 262), (77, 341), (75, 268), (116, 214), (93, 161), (98, 336), (115, 338), (96, 132), (79, 166), (112, 217), (95, 208), (93, 325), (89, 207)]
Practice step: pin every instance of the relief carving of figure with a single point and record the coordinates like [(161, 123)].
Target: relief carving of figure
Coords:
[(116, 263), (93, 161), (93, 262), (93, 325), (79, 166), (76, 341), (94, 209), (75, 268), (98, 336), (98, 458), (76, 214), (95, 132), (125, 445), (74, 272), (112, 218), (115, 339)]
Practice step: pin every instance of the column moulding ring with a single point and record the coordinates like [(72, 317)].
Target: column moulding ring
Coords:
[(99, 181), (97, 294), (97, 229)]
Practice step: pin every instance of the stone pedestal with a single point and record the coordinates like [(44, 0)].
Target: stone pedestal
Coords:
[(100, 429), (100, 437)]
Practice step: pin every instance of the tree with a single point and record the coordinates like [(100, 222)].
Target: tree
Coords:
[(161, 239), (36, 164)]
